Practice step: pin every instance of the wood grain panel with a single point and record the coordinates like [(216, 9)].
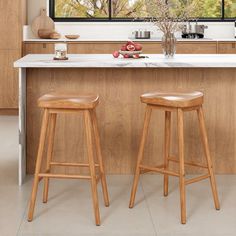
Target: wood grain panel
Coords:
[(8, 79), (196, 48), (38, 48), (120, 115), (110, 47), (227, 47), (11, 22), (12, 19)]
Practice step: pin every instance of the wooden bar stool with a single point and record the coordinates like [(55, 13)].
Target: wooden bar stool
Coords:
[(180, 103), (54, 104)]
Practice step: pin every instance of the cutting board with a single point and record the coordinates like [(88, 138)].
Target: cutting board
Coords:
[(42, 22)]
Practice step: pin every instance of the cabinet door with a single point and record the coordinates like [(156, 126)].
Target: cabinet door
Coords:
[(108, 47), (8, 79), (38, 48), (93, 47), (227, 48), (196, 48), (151, 48), (10, 24)]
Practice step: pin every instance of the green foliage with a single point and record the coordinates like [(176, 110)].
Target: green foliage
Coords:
[(136, 8), (230, 8), (81, 8)]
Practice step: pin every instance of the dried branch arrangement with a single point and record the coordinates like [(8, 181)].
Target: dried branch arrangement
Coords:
[(169, 15)]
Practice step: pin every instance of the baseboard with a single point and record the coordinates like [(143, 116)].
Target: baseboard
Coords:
[(9, 111)]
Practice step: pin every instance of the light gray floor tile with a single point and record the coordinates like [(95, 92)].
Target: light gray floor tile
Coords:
[(69, 211), (13, 199), (202, 218)]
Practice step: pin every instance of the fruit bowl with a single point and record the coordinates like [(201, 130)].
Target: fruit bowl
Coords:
[(129, 53)]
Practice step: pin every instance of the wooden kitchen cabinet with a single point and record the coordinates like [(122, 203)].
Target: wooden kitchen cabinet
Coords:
[(38, 48), (8, 79), (93, 47), (10, 24), (12, 19), (227, 47), (196, 48), (109, 47), (87, 47)]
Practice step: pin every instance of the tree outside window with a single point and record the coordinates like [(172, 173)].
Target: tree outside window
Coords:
[(129, 9)]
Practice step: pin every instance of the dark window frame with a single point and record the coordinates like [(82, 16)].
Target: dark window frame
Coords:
[(110, 19)]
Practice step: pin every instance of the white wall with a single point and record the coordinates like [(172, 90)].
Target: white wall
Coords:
[(34, 8)]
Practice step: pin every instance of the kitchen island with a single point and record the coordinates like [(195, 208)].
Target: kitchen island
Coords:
[(120, 82)]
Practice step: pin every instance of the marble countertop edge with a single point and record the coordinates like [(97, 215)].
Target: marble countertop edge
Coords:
[(107, 61)]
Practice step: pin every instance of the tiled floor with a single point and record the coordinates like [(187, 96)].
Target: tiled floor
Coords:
[(69, 210)]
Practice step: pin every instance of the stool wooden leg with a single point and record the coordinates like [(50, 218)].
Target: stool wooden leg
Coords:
[(140, 155), (208, 156), (38, 164), (100, 159), (88, 128), (167, 149), (181, 165), (51, 134)]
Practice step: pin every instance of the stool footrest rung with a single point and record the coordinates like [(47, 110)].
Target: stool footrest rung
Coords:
[(63, 176), (197, 179), (71, 164), (172, 159), (143, 171), (159, 170)]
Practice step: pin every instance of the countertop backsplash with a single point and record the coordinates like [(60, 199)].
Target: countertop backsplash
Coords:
[(120, 31)]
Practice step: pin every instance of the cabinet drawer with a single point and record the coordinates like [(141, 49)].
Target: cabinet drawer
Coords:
[(227, 48), (196, 48), (38, 48)]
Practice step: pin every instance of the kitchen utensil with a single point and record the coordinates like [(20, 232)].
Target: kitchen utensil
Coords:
[(142, 34), (193, 31), (72, 36), (42, 22), (55, 35), (45, 33)]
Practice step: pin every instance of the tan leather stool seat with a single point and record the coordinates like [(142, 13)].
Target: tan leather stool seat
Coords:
[(175, 99), (68, 101)]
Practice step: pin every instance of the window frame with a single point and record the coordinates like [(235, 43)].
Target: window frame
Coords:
[(111, 19)]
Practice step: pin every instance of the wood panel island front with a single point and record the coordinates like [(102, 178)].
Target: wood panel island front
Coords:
[(120, 82)]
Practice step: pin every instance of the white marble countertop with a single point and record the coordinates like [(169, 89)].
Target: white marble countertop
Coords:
[(127, 39), (107, 61)]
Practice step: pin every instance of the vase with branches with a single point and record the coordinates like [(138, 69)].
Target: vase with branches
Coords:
[(170, 16)]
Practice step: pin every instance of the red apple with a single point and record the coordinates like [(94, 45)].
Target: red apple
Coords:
[(116, 54), (124, 48), (126, 56), (136, 56), (138, 47), (131, 47)]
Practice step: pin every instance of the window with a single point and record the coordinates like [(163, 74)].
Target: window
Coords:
[(230, 8), (126, 10)]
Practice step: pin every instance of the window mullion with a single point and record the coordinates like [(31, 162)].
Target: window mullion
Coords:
[(110, 9), (223, 9)]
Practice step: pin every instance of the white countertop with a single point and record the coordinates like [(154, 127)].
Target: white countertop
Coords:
[(107, 61), (127, 39)]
